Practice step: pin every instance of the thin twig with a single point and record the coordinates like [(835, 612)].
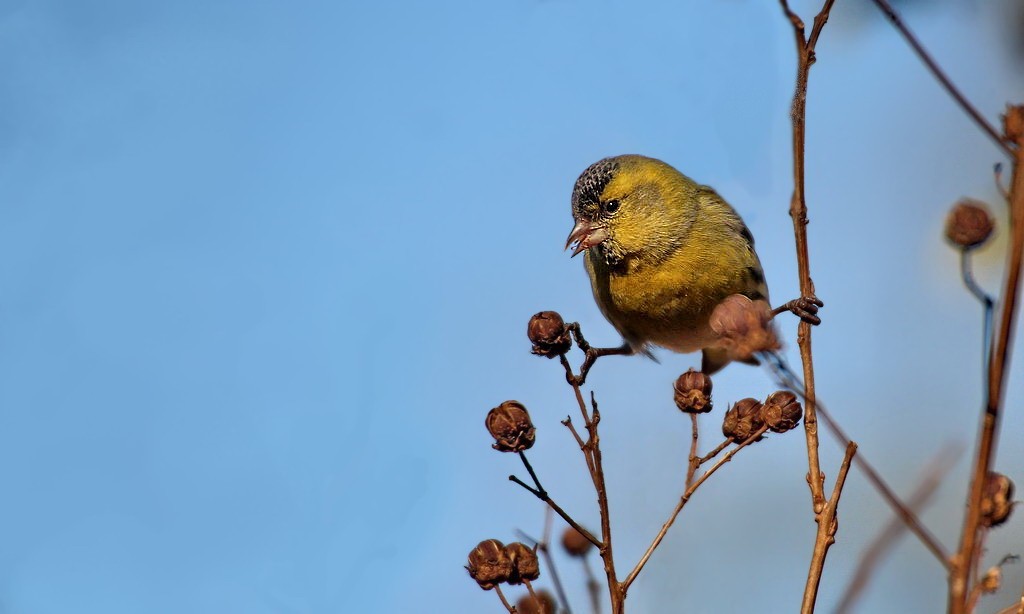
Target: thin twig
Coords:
[(828, 524), (588, 455), (710, 455), (529, 469), (501, 595), (967, 274), (694, 462), (998, 361), (592, 447), (682, 503), (937, 72), (529, 587), (889, 536), (1017, 608), (987, 305), (543, 496), (798, 212)]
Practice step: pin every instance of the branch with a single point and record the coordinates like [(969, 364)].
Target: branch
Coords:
[(682, 503), (504, 602), (592, 451), (798, 211), (691, 469), (828, 524), (543, 496), (963, 562)]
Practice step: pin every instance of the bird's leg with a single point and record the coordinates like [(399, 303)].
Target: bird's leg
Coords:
[(591, 354), (594, 353), (805, 308)]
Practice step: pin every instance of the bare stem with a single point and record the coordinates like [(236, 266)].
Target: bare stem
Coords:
[(691, 469), (798, 212), (504, 602), (529, 587), (987, 305), (963, 562), (529, 469), (592, 450), (718, 449), (828, 524), (543, 496), (682, 503)]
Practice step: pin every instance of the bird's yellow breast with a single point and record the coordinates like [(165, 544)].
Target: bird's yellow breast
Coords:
[(669, 303)]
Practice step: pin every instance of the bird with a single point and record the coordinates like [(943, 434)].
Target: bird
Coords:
[(662, 251)]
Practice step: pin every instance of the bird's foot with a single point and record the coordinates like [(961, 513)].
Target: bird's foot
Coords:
[(805, 308), (591, 354)]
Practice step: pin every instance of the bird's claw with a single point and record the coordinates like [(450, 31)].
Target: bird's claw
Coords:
[(590, 356), (805, 308)]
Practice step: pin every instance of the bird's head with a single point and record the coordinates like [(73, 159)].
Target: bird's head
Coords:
[(631, 207)]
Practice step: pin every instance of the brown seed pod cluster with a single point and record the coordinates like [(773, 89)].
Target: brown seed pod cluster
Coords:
[(992, 580), (969, 224), (997, 500), (525, 566), (489, 564), (742, 420), (782, 411), (511, 427), (744, 327), (575, 544), (492, 563), (548, 334), (693, 392)]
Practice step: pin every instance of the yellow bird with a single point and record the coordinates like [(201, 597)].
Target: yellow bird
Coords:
[(662, 251)]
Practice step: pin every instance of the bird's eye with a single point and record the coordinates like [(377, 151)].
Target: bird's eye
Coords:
[(611, 206)]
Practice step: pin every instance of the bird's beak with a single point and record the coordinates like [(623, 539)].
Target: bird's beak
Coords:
[(585, 234)]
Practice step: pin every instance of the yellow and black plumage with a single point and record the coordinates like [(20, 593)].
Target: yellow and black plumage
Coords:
[(662, 251)]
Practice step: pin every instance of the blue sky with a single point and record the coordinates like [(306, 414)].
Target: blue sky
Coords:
[(265, 266)]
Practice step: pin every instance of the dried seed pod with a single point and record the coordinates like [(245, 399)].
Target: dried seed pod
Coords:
[(743, 420), (548, 334), (489, 564), (997, 500), (575, 543), (781, 411), (992, 579), (544, 603), (969, 224), (525, 565), (511, 427), (744, 327), (693, 392)]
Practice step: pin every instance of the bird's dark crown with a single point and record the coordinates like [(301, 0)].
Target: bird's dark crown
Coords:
[(590, 185)]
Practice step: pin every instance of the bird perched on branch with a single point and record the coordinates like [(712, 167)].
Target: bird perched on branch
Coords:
[(662, 251)]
